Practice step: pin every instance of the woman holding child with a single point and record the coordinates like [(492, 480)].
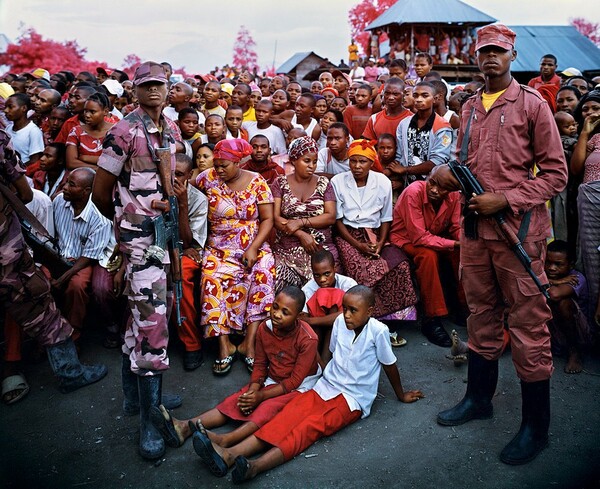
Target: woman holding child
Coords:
[(304, 212), (364, 215), (238, 266)]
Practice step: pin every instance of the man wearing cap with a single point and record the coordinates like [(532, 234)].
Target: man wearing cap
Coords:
[(126, 184), (102, 74), (342, 82), (511, 130), (115, 90), (548, 74)]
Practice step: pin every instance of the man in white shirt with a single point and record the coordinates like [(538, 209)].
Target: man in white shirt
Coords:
[(334, 158)]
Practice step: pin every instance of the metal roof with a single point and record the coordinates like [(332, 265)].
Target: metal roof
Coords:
[(294, 61), (431, 12), (563, 41)]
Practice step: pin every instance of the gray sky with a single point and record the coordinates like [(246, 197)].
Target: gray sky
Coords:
[(200, 34)]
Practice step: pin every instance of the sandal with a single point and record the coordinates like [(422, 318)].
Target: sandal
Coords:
[(397, 341), (197, 426), (14, 383), (163, 422), (249, 361), (223, 366)]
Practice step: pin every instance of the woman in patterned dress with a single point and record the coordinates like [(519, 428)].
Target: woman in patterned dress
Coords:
[(304, 213), (238, 267)]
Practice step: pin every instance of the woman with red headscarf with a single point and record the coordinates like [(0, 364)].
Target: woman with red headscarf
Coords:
[(364, 215), (238, 267)]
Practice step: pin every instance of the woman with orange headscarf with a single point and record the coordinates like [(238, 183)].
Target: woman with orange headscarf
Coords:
[(238, 267), (364, 215)]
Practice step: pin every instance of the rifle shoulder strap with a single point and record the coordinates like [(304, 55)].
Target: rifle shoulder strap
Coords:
[(464, 147), (25, 214)]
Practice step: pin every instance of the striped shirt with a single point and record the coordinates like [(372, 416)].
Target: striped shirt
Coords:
[(89, 234)]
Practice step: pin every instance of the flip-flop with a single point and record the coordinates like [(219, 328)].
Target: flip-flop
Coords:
[(14, 383), (205, 450), (223, 366), (240, 470), (249, 361), (163, 422), (397, 341), (197, 426)]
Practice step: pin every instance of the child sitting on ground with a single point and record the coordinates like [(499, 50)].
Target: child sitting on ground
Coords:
[(285, 365), (324, 293), (569, 328), (360, 346)]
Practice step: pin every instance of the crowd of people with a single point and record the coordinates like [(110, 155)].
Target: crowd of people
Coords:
[(314, 224)]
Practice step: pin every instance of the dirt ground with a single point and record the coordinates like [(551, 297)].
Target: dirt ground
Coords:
[(81, 440)]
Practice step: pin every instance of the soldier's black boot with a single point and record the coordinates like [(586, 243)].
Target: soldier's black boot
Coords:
[(152, 445), (131, 397), (532, 437), (477, 402), (70, 372)]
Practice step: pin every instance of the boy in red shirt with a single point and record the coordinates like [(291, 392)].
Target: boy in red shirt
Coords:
[(285, 365), (356, 116)]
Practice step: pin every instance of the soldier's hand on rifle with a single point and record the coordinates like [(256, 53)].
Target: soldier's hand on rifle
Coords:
[(193, 254), (249, 258), (487, 203)]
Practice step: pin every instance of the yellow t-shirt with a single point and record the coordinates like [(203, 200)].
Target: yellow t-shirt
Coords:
[(249, 115), (488, 99)]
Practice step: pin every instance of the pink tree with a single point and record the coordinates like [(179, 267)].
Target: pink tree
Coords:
[(32, 51), (589, 29), (244, 54), (361, 15)]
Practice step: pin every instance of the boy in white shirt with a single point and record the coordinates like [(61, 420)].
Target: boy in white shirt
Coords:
[(361, 347)]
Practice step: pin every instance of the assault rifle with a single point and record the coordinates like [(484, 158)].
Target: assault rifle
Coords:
[(45, 247), (166, 226), (469, 186)]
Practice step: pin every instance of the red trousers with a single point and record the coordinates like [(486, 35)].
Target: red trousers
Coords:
[(427, 263), (494, 280), (188, 332), (304, 420)]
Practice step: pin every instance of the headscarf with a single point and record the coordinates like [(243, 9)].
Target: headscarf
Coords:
[(366, 148), (318, 97), (232, 150), (591, 95), (302, 145), (332, 90)]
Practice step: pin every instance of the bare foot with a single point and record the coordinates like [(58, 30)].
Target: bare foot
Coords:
[(574, 364), (458, 347)]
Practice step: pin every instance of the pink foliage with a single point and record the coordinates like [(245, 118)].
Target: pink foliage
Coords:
[(589, 29), (244, 54), (361, 15)]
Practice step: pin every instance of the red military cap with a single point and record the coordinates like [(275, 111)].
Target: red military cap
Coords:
[(495, 35)]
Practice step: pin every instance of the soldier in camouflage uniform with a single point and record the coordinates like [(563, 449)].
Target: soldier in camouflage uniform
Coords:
[(25, 290), (126, 183)]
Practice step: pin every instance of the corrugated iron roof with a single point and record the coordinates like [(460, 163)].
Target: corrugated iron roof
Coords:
[(563, 41), (294, 61), (431, 12)]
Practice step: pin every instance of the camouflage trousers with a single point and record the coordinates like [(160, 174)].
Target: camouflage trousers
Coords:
[(147, 333), (25, 296)]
